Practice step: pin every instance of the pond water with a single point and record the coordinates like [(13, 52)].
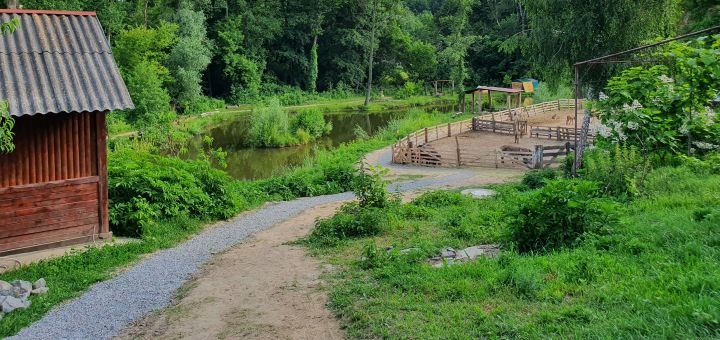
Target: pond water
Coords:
[(250, 164)]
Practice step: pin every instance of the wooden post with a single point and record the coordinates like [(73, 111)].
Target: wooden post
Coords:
[(473, 103), (101, 163), (449, 132), (437, 135), (457, 146), (426, 136), (537, 159)]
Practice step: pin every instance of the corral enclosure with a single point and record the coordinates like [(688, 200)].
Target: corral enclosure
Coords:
[(545, 134)]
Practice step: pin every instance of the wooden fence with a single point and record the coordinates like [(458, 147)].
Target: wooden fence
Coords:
[(426, 155), (558, 133), (413, 148)]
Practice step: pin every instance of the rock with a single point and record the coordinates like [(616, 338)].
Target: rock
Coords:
[(23, 284), (40, 291), (4, 285), (40, 283), (473, 253), (478, 193), (448, 253), (11, 303), (409, 250)]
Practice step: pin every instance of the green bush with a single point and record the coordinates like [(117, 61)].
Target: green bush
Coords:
[(311, 121), (536, 179), (559, 214), (621, 171), (270, 127), (352, 221), (145, 188)]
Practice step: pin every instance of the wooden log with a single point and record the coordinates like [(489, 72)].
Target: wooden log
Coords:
[(457, 147), (537, 157)]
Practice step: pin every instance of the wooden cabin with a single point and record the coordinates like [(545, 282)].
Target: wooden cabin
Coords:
[(59, 79)]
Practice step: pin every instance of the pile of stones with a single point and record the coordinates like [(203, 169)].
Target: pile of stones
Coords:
[(14, 295), (450, 256)]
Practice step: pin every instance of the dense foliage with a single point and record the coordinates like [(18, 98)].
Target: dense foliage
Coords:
[(145, 189), (662, 109)]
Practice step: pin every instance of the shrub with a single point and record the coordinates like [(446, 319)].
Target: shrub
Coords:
[(619, 170), (536, 179), (558, 214), (203, 104), (369, 187), (145, 188), (312, 122), (352, 221), (270, 127)]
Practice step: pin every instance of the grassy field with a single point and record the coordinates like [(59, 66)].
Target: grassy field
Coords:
[(653, 275)]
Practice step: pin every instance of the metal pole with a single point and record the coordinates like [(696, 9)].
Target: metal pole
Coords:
[(577, 94)]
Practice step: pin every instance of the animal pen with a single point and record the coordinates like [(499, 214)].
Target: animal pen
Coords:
[(59, 79), (456, 144)]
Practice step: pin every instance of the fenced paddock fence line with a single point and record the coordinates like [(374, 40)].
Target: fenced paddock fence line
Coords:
[(414, 148)]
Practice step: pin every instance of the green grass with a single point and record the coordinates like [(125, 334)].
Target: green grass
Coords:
[(654, 276), (71, 275)]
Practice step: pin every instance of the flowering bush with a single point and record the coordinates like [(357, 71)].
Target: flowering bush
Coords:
[(647, 108)]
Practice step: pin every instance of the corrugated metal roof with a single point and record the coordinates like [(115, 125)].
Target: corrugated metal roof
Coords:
[(58, 62)]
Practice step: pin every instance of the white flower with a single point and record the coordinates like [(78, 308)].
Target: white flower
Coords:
[(633, 125), (684, 129), (705, 146), (603, 130), (657, 101), (710, 113), (627, 107), (665, 79), (603, 96), (622, 136), (636, 104)]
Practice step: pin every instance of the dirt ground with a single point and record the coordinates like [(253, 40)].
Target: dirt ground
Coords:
[(479, 148), (260, 289), (265, 288)]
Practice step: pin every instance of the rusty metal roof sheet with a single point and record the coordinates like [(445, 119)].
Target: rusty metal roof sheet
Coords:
[(58, 62)]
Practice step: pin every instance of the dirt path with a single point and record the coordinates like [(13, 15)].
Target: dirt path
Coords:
[(264, 288), (260, 289)]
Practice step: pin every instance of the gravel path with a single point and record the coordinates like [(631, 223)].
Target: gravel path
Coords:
[(111, 305)]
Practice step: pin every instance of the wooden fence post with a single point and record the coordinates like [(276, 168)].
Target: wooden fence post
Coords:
[(537, 159), (457, 147), (449, 133), (426, 136), (437, 135)]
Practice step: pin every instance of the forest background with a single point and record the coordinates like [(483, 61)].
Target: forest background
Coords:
[(192, 56)]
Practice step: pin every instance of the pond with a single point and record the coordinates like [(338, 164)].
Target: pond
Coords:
[(249, 164)]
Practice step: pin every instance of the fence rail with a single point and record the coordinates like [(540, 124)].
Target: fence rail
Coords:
[(558, 133)]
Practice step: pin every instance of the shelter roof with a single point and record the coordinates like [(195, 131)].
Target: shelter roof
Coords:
[(58, 62), (493, 89)]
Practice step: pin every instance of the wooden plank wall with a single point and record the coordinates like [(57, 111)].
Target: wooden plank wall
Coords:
[(50, 147), (41, 214), (53, 185)]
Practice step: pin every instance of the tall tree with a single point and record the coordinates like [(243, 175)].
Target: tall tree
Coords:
[(566, 31), (375, 17), (190, 57)]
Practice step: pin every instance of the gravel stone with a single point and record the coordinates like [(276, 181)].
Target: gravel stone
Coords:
[(40, 283), (109, 306)]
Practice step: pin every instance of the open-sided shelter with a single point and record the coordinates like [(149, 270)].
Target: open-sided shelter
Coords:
[(59, 79), (482, 90)]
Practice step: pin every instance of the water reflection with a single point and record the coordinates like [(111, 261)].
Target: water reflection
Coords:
[(246, 163)]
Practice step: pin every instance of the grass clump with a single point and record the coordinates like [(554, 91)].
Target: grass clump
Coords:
[(272, 126), (536, 179)]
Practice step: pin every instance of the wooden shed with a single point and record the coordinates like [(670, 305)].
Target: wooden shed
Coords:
[(60, 80)]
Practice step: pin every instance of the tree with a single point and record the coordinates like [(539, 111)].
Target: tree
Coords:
[(190, 57), (562, 32), (374, 19), (453, 21)]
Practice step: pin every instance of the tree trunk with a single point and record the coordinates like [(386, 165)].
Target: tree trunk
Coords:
[(371, 55)]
